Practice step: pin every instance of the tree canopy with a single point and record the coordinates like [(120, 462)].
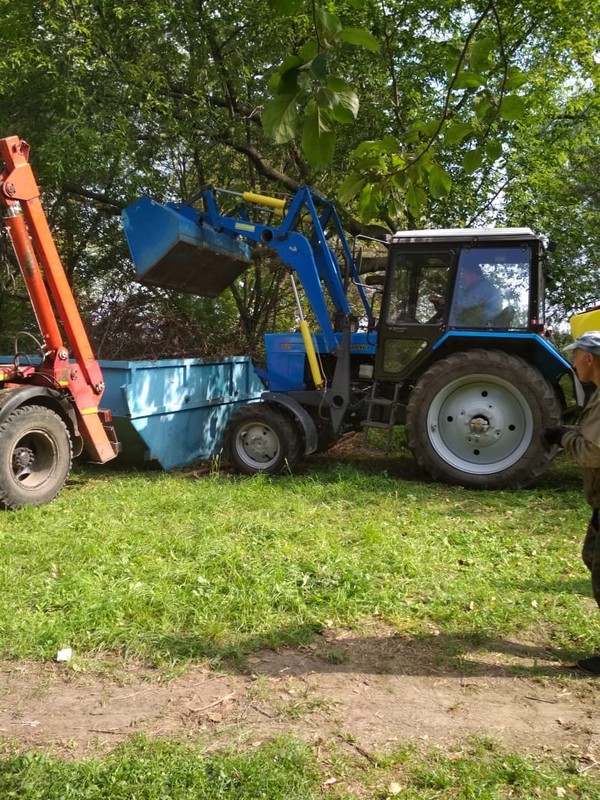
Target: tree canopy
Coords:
[(408, 114)]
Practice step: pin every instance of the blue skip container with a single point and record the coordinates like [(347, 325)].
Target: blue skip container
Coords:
[(174, 412)]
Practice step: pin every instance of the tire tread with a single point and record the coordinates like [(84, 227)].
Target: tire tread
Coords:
[(537, 459)]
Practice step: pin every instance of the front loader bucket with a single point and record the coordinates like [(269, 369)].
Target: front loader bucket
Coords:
[(170, 249)]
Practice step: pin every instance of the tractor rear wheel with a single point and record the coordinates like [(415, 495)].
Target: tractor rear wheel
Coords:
[(476, 419), (261, 438), (35, 457)]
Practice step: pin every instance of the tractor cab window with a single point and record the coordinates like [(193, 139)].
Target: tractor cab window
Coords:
[(418, 287), (492, 288)]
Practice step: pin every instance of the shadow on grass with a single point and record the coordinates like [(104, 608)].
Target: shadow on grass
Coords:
[(562, 585), (304, 650), (329, 467)]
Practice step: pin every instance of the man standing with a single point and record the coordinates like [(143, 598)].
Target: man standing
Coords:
[(582, 443)]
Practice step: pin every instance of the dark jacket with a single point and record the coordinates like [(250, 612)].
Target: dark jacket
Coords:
[(582, 443)]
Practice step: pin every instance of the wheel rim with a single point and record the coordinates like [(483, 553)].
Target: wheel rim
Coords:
[(257, 444), (33, 461), (480, 423)]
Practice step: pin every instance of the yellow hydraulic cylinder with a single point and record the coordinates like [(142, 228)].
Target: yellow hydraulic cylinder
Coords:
[(313, 363), (277, 203)]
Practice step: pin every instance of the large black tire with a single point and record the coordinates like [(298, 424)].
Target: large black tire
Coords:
[(35, 457), (262, 438), (476, 419)]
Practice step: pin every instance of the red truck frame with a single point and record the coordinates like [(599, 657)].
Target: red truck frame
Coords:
[(49, 411)]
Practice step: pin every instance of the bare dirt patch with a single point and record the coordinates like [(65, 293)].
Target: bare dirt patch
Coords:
[(368, 693)]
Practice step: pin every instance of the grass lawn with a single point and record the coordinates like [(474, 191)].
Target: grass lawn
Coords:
[(289, 770), (170, 569)]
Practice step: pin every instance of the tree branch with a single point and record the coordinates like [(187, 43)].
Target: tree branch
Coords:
[(261, 164), (245, 110), (108, 204)]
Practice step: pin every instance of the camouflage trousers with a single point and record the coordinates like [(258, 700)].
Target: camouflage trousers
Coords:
[(591, 552)]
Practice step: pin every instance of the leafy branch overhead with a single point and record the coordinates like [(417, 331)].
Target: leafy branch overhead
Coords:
[(397, 176), (309, 95), (410, 113)]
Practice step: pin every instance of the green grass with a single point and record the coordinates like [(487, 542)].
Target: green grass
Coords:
[(478, 770), (147, 770), (144, 769), (168, 567), (174, 568)]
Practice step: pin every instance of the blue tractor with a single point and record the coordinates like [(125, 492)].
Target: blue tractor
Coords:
[(456, 352)]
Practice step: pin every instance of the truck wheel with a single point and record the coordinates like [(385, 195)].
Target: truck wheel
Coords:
[(260, 438), (35, 457), (476, 419)]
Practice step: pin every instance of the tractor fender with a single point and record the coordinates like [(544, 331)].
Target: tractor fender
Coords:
[(537, 350), (13, 398), (299, 413)]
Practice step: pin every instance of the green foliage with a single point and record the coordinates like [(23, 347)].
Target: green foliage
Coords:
[(306, 80), (411, 114), (554, 182), (470, 99)]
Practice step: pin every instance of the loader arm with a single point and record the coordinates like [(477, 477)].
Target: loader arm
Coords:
[(311, 260), (148, 224), (201, 252)]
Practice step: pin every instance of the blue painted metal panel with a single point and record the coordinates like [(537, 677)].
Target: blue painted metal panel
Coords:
[(173, 411), (286, 356), (177, 408), (545, 356)]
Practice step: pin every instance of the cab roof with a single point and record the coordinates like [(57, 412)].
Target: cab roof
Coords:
[(465, 234)]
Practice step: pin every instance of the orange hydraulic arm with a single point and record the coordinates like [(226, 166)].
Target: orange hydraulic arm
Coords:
[(32, 240)]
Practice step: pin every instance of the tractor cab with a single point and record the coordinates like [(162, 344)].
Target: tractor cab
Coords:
[(470, 281)]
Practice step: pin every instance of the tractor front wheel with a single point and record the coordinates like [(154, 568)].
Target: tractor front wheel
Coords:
[(35, 457), (261, 438), (476, 419)]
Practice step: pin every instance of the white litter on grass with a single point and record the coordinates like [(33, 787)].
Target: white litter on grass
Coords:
[(65, 654)]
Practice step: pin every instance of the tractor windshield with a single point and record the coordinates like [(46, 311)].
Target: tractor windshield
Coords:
[(492, 288)]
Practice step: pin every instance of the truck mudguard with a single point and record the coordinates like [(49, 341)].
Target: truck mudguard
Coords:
[(13, 398)]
